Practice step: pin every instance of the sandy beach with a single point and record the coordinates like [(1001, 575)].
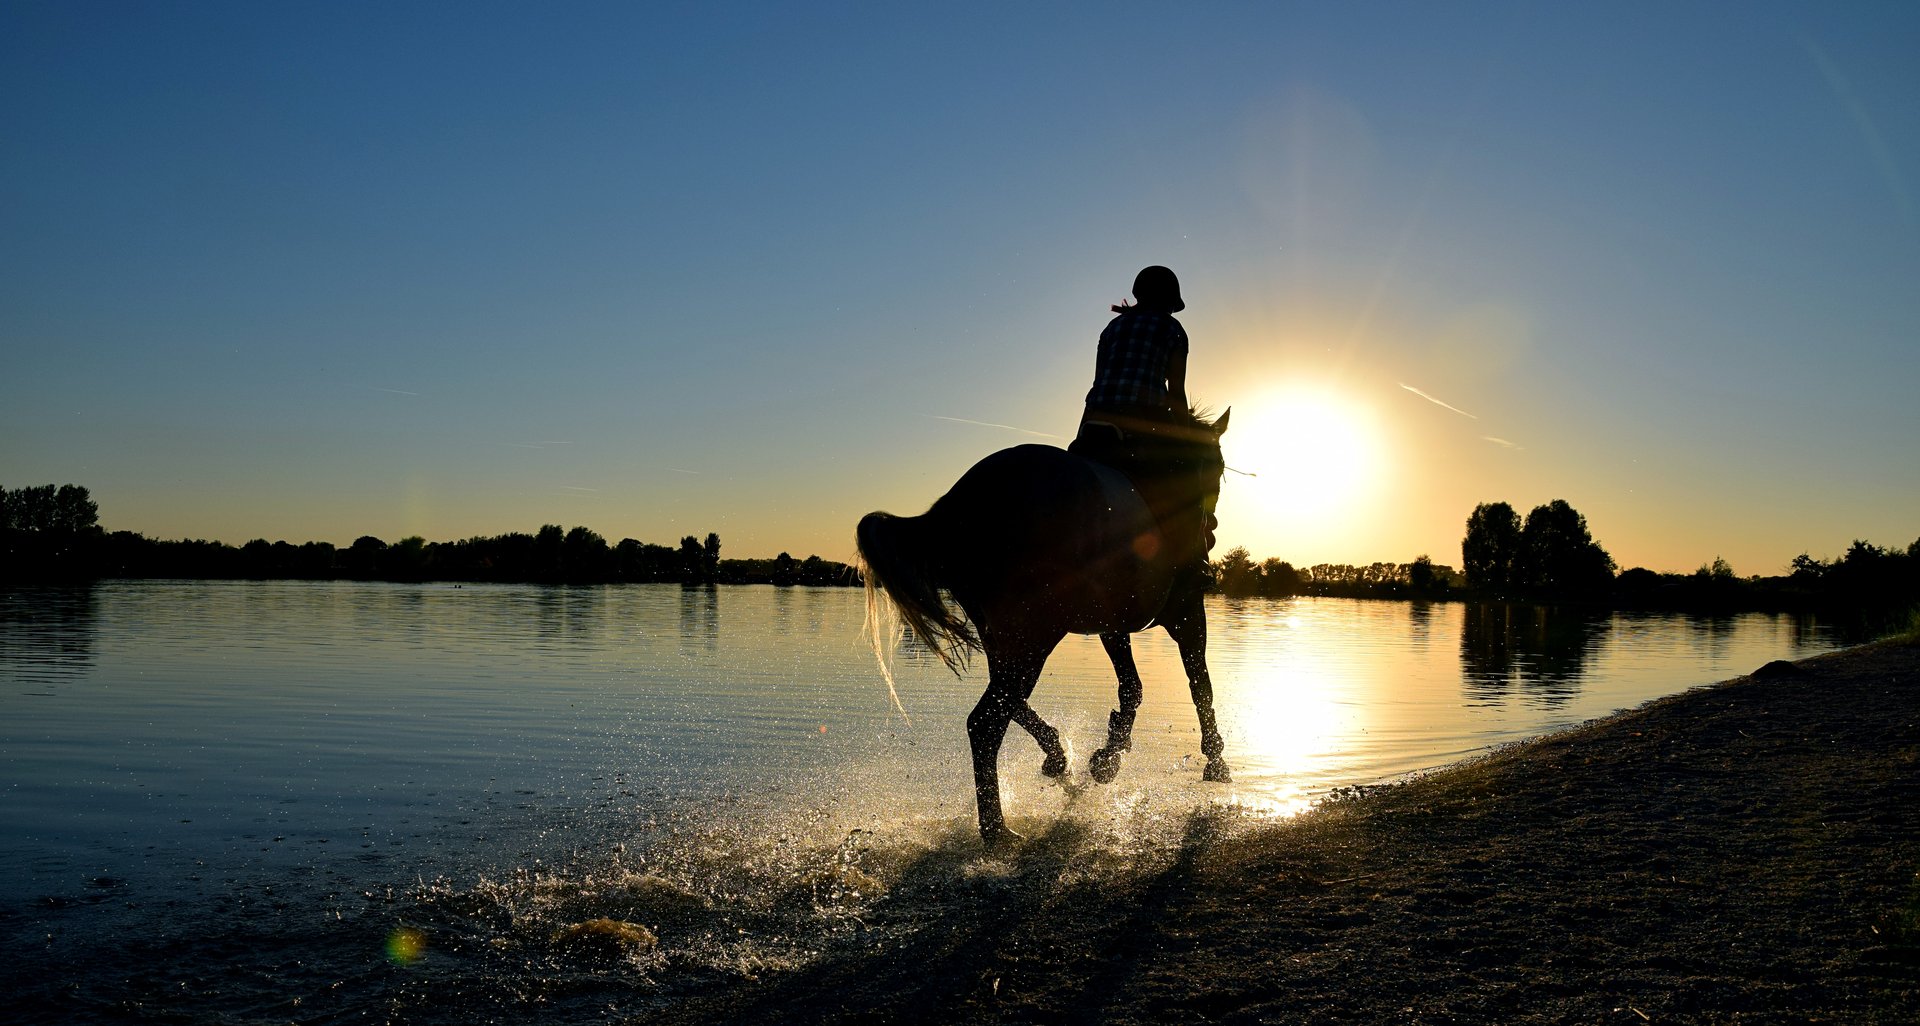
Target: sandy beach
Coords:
[(1745, 852)]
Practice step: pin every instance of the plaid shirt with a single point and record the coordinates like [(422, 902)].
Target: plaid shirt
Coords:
[(1135, 350)]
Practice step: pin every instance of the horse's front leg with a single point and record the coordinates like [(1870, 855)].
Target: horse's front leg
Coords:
[(1105, 763), (1049, 739), (1188, 627)]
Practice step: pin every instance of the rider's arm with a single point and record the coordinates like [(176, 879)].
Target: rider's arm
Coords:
[(1177, 381)]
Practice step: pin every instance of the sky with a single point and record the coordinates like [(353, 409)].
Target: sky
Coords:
[(316, 271)]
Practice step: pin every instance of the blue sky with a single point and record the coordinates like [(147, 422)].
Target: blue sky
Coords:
[(318, 271)]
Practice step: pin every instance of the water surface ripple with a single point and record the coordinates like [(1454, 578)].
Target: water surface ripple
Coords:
[(272, 802)]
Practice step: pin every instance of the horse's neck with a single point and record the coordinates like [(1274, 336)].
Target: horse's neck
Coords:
[(1118, 490)]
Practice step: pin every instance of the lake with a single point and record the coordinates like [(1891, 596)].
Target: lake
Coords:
[(290, 801)]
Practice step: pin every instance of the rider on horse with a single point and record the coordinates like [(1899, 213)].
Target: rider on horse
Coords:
[(1033, 544), (1137, 408)]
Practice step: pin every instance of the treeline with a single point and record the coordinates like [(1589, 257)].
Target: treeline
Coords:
[(1870, 582), (51, 533), (54, 533), (1237, 574), (1552, 556)]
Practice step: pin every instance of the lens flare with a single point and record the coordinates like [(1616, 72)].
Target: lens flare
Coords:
[(405, 945)]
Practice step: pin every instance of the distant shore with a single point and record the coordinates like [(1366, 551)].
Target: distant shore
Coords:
[(1747, 852)]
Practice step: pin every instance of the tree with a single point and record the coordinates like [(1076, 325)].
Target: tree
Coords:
[(64, 510), (1237, 573), (691, 558), (1718, 570), (406, 559), (584, 556), (257, 558), (1806, 568), (1279, 578), (645, 561), (1558, 554), (549, 544), (74, 511), (315, 559), (1491, 547), (49, 530), (710, 558), (363, 556), (1869, 576), (818, 572), (1420, 575)]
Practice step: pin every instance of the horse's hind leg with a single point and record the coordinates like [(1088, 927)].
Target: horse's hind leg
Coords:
[(1189, 631), (1049, 739), (1105, 763), (1010, 679)]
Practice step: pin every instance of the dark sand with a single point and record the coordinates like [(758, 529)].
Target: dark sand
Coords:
[(1743, 853)]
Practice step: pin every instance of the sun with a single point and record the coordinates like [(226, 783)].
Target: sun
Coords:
[(1314, 456)]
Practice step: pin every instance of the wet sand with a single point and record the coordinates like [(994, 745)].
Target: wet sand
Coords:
[(1747, 852)]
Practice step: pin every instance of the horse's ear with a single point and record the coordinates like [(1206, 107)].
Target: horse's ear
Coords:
[(1220, 426)]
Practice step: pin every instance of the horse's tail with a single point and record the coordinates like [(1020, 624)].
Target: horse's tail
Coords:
[(894, 554)]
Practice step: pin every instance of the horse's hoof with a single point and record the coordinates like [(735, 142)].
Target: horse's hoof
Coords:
[(1000, 838), (1105, 765), (1217, 771), (1055, 766)]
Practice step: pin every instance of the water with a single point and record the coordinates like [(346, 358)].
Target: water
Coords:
[(303, 802)]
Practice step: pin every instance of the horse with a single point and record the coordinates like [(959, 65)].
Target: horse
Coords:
[(1034, 543)]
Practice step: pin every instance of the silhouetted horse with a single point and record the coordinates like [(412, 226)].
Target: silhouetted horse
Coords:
[(1034, 543)]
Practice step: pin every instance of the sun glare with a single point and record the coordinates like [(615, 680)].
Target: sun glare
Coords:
[(1315, 454), (1287, 726)]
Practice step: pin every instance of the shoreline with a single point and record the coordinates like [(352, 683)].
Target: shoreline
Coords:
[(1747, 851)]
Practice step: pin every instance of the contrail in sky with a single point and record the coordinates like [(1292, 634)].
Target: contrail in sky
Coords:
[(1870, 134), (392, 391), (1499, 441), (1437, 402), (1003, 427)]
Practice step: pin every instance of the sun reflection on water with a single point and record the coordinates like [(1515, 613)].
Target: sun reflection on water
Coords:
[(1287, 727)]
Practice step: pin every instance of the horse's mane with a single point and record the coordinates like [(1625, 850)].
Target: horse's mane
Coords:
[(1195, 426), (1193, 416)]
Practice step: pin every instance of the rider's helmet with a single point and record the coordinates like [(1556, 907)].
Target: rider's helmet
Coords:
[(1157, 286)]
